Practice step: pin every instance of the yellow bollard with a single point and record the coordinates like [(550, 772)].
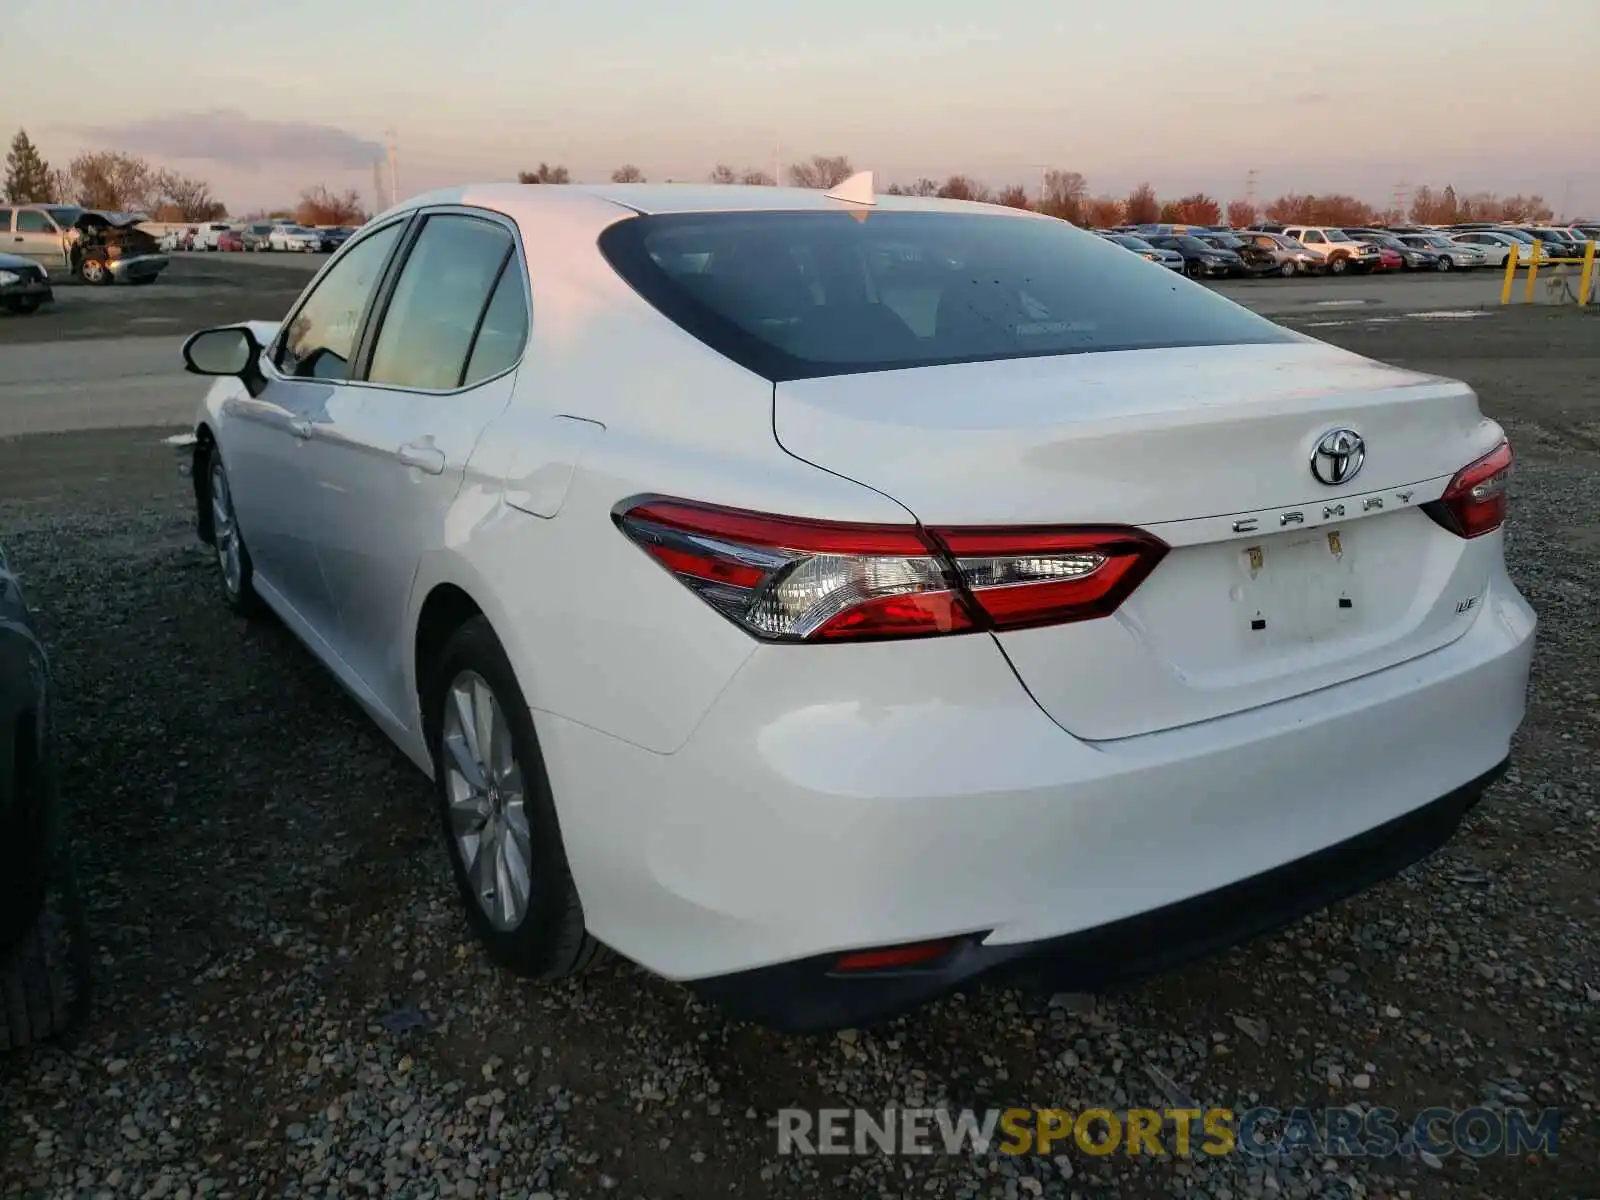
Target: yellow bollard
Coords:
[(1533, 271), (1511, 275), (1586, 277)]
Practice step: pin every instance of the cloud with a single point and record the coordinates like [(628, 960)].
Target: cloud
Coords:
[(1310, 98), (226, 135)]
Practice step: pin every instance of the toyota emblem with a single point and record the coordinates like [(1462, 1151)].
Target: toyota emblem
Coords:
[(1338, 456)]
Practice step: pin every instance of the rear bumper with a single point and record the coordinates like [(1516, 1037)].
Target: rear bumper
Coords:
[(807, 996), (851, 797)]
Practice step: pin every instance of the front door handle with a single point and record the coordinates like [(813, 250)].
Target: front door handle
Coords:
[(301, 429), (424, 458)]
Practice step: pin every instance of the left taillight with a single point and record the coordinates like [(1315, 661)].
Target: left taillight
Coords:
[(1475, 502), (790, 579)]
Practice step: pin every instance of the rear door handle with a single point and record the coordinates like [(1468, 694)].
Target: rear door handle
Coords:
[(301, 429), (424, 458)]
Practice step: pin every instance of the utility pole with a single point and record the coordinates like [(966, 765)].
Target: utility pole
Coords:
[(1402, 192), (1250, 187), (394, 185)]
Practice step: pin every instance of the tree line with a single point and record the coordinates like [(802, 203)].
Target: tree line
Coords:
[(1066, 194), (112, 181)]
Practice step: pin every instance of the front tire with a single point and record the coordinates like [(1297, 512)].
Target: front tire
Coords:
[(95, 271), (1338, 264), (235, 571), (1445, 264), (23, 305), (1288, 270), (497, 813)]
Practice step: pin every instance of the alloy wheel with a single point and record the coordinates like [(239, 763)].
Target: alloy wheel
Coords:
[(485, 793), (225, 530)]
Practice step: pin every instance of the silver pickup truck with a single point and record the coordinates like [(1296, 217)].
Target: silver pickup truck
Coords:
[(100, 247)]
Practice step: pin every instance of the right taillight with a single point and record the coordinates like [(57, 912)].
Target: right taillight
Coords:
[(791, 579), (1475, 502)]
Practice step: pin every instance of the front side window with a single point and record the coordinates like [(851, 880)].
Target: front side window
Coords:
[(439, 302), (5, 220), (321, 337), (1312, 238), (31, 220)]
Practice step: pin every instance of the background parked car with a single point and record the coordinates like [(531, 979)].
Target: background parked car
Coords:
[(1201, 260), (205, 237), (257, 235), (100, 247), (1397, 255), (295, 238), (1452, 254), (1335, 247), (1170, 259), (1289, 256), (1256, 261), (1495, 246), (230, 239), (335, 236), (24, 284)]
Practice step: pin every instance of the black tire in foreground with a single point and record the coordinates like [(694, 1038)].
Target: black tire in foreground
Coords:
[(44, 988), (22, 305), (550, 940)]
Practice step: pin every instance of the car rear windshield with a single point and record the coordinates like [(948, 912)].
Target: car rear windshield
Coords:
[(798, 295)]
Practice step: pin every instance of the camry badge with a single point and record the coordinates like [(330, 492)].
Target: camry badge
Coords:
[(1338, 457)]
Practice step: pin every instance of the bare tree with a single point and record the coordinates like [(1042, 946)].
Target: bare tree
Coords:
[(1142, 207), (756, 177), (821, 172), (1103, 212), (963, 187), (723, 173), (1241, 214), (1063, 197), (922, 187), (319, 206), (545, 174), (190, 199), (1015, 196), (113, 182), (627, 173)]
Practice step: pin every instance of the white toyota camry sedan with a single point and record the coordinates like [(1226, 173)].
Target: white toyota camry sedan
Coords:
[(830, 600)]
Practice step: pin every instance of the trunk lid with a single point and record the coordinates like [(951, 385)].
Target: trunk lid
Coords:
[(1277, 584)]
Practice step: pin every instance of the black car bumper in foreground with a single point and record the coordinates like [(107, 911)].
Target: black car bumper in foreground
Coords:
[(27, 288), (812, 996)]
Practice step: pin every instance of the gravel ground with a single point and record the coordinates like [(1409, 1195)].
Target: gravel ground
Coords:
[(290, 1006)]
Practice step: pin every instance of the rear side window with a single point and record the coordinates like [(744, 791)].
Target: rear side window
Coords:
[(439, 302), (31, 220), (797, 295)]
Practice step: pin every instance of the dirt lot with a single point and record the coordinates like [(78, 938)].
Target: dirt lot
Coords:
[(289, 1004)]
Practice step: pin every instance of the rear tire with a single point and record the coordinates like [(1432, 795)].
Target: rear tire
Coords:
[(532, 925), (23, 305)]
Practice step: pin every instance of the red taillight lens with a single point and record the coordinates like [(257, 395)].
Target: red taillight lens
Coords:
[(896, 957), (1475, 502), (1024, 577), (798, 580)]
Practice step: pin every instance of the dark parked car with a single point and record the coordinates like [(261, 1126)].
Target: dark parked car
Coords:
[(1201, 260), (24, 284), (1170, 259), (1256, 259), (1412, 258), (42, 968), (335, 237)]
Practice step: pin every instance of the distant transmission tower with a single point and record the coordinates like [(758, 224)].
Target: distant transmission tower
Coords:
[(1250, 187), (394, 184), (379, 204), (1402, 193)]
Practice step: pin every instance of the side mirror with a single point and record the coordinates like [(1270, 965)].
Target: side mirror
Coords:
[(229, 350)]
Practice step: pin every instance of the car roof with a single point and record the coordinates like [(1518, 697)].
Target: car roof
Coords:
[(517, 199)]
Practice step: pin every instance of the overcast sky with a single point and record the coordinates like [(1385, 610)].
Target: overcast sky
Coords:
[(1358, 96)]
